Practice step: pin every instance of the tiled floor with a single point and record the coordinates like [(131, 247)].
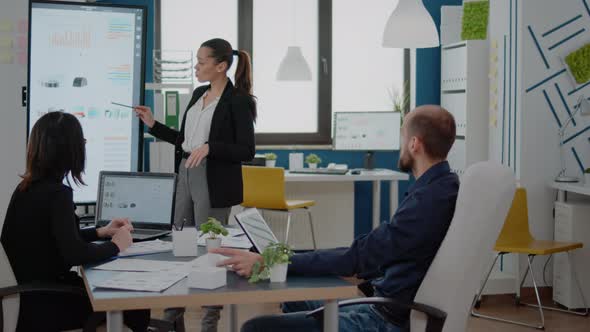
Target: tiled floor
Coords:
[(497, 305)]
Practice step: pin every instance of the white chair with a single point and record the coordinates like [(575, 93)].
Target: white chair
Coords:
[(445, 296)]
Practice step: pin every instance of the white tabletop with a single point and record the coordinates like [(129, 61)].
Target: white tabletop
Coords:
[(373, 175), (577, 187)]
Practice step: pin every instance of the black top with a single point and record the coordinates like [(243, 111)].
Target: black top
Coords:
[(231, 142), (396, 255), (41, 234)]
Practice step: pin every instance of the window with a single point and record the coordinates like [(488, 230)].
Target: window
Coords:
[(285, 106), (364, 74), (340, 40), (186, 24)]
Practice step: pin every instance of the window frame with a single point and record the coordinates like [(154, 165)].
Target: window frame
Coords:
[(245, 42)]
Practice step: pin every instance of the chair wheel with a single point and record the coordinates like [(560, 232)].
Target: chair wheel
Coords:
[(477, 304)]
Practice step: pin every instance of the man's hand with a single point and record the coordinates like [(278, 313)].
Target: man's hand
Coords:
[(242, 261), (112, 228)]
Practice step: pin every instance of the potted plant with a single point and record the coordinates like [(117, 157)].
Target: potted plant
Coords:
[(313, 160), (213, 228), (271, 159), (276, 258), (587, 176), (400, 100)]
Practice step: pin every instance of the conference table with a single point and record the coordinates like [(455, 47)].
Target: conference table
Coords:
[(237, 291)]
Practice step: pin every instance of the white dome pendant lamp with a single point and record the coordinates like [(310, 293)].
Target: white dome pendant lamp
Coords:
[(410, 26), (294, 67)]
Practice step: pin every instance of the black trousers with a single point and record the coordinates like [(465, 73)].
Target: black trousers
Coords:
[(58, 312)]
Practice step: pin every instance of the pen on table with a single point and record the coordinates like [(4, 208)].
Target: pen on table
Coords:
[(122, 105)]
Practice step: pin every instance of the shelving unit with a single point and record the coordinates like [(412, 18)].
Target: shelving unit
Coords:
[(464, 93)]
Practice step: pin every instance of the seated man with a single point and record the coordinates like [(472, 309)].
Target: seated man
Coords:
[(395, 256)]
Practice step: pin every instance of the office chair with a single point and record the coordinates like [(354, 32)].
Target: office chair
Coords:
[(516, 238), (264, 189), (443, 300)]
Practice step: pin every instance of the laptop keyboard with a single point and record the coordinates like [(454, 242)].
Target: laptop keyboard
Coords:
[(147, 231)]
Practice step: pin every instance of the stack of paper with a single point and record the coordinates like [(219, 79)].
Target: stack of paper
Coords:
[(143, 281), (143, 265), (147, 247)]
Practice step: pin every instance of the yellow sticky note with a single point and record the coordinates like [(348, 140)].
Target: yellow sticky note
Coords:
[(5, 42), (6, 58), (6, 25)]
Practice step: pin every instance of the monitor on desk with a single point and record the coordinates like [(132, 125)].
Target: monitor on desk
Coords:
[(367, 131)]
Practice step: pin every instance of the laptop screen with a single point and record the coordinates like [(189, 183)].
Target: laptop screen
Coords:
[(256, 229), (147, 199)]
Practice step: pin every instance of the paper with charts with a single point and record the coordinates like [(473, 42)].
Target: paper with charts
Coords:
[(143, 281), (142, 265), (147, 247)]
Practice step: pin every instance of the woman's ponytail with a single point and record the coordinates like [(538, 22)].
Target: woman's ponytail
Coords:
[(243, 78)]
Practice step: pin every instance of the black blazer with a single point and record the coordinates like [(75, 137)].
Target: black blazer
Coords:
[(41, 234), (231, 142)]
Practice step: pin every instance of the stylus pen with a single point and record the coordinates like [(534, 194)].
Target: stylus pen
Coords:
[(181, 226), (122, 105)]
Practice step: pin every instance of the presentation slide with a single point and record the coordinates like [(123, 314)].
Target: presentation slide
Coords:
[(84, 58), (367, 131)]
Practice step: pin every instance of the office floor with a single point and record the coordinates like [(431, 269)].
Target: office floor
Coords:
[(496, 305)]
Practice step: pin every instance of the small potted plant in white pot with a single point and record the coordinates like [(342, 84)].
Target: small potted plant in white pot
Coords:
[(313, 160), (587, 177), (271, 159), (213, 228), (276, 258)]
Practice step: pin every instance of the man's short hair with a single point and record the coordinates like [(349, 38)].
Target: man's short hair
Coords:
[(436, 128)]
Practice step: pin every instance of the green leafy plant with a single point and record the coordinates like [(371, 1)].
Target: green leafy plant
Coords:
[(400, 100), (275, 253), (587, 171), (270, 156), (579, 64), (313, 159), (475, 20), (214, 228)]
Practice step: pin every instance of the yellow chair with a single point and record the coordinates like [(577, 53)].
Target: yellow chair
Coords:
[(264, 188), (516, 237)]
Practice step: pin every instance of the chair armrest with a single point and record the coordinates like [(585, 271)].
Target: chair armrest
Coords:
[(436, 317), (41, 287)]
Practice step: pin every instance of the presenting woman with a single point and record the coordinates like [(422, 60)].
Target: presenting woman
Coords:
[(215, 137)]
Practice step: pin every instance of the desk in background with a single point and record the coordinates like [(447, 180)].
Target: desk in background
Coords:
[(334, 210), (237, 291)]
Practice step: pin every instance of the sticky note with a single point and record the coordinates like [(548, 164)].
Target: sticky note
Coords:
[(6, 58), (23, 26), (22, 42), (23, 58), (6, 25), (6, 42)]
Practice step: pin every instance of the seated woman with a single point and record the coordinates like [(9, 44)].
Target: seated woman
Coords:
[(41, 234)]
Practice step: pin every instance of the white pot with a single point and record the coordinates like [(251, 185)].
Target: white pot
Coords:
[(213, 244), (314, 165), (587, 179), (271, 163), (278, 273)]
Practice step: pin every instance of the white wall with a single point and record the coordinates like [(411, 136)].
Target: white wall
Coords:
[(12, 115), (533, 130)]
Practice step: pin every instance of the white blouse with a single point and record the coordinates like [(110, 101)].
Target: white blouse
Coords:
[(198, 124)]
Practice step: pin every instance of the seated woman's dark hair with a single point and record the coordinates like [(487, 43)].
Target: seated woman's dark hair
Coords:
[(56, 148)]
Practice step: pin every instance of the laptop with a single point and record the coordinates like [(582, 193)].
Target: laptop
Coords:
[(256, 229), (147, 199)]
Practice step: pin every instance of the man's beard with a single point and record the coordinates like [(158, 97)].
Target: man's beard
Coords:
[(405, 163)]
